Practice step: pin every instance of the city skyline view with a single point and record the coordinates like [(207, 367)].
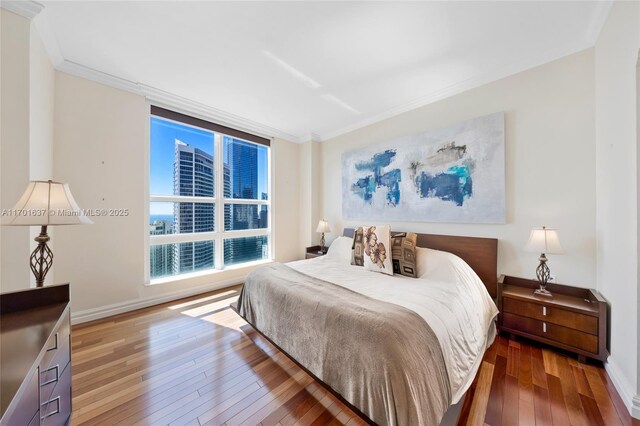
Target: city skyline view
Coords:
[(163, 134), (190, 172)]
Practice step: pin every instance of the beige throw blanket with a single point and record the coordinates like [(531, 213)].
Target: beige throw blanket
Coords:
[(382, 358)]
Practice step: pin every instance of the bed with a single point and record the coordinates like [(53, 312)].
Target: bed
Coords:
[(400, 350)]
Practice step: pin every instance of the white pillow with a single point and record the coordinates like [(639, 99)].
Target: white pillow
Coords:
[(340, 249), (377, 249), (436, 264)]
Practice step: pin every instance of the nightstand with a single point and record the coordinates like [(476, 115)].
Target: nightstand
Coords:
[(574, 319), (314, 251)]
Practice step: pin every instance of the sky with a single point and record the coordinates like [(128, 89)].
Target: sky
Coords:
[(163, 136)]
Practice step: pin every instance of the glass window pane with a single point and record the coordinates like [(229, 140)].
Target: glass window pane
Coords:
[(181, 218), (245, 216), (161, 219), (245, 169), (173, 259), (181, 160), (245, 249)]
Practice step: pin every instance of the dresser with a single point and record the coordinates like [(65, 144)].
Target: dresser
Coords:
[(35, 345), (574, 319)]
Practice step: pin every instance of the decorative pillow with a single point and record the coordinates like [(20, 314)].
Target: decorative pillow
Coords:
[(357, 249), (377, 244), (403, 254)]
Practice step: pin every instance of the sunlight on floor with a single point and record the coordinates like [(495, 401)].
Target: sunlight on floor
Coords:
[(210, 307), (203, 299), (213, 309)]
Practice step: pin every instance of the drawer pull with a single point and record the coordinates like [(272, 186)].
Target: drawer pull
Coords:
[(57, 410), (55, 367), (55, 346), (544, 311), (544, 327)]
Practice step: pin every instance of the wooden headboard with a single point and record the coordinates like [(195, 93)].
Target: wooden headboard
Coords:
[(480, 253)]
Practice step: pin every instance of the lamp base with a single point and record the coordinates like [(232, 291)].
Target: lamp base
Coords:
[(543, 292), (41, 258)]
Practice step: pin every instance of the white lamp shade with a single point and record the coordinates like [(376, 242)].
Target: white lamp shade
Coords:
[(544, 240), (46, 203), (323, 226)]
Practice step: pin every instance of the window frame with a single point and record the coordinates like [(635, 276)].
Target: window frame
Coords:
[(219, 234)]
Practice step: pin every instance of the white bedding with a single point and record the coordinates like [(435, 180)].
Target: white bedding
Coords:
[(448, 295)]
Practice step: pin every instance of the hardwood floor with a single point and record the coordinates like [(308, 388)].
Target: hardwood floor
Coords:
[(523, 383), (195, 362)]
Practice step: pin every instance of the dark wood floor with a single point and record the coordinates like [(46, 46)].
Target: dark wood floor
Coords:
[(522, 383), (196, 362)]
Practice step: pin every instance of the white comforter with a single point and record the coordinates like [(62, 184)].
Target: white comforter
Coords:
[(449, 296)]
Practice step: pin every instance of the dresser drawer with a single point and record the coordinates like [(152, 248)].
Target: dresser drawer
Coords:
[(56, 410), (551, 314), (57, 342), (577, 339), (26, 407), (35, 420)]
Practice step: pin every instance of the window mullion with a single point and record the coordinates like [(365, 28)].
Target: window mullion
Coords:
[(180, 199), (219, 194), (246, 201), (270, 208)]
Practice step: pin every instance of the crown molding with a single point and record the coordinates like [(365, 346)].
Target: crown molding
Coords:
[(311, 137), (161, 97), (598, 19), (498, 73), (173, 101), (27, 9), (48, 39), (87, 73)]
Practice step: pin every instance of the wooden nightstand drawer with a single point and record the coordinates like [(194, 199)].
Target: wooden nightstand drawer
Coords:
[(314, 251), (577, 339), (574, 319), (551, 314)]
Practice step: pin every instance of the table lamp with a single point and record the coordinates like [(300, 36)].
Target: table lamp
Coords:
[(323, 226), (45, 203), (544, 241)]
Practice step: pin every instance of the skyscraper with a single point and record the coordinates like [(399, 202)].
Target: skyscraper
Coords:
[(161, 255), (193, 177), (241, 172)]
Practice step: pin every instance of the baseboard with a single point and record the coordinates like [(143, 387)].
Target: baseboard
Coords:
[(635, 410), (120, 308), (624, 388)]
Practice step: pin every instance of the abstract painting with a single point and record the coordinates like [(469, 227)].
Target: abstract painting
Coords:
[(453, 174)]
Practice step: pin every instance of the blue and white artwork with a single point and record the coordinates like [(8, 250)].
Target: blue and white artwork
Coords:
[(453, 174)]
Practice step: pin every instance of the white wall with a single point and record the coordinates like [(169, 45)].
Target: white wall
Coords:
[(638, 222), (100, 150), (616, 56), (26, 139), (14, 146), (41, 100), (550, 156), (286, 199), (310, 192)]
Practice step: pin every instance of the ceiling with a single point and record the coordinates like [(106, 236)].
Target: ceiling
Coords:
[(317, 69)]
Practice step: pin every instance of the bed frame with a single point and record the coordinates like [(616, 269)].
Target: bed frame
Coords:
[(480, 253)]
